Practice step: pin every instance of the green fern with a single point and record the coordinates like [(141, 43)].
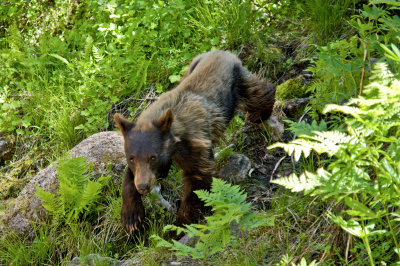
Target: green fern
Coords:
[(50, 202), (322, 142), (88, 47), (76, 193), (302, 128), (97, 54), (388, 2), (364, 169), (228, 204), (306, 182)]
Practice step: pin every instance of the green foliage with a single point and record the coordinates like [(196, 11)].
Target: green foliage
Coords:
[(327, 18), (302, 128), (337, 73), (230, 209), (76, 194), (66, 66), (342, 64), (62, 76), (14, 251), (364, 171), (378, 24)]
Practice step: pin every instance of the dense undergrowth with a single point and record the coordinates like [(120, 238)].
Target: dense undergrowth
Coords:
[(67, 66)]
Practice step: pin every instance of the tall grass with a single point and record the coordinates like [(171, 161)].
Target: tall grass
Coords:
[(327, 18)]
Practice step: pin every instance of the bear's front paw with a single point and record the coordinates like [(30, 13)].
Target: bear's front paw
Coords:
[(132, 215)]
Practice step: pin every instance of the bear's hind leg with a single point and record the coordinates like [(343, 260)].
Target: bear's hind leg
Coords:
[(197, 163), (192, 207), (256, 97)]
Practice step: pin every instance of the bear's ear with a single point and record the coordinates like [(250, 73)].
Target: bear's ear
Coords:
[(122, 123), (165, 121)]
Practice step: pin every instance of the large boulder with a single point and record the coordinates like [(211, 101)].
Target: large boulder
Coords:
[(104, 150)]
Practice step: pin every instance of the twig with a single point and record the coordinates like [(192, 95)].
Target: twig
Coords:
[(281, 159), (217, 154), (148, 97), (346, 254), (276, 167), (363, 69), (294, 217), (301, 118)]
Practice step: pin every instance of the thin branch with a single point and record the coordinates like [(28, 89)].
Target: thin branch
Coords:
[(363, 69)]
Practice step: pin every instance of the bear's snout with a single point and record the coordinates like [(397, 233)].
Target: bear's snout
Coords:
[(143, 188)]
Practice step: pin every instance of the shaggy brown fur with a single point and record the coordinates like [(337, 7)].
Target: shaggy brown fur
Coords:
[(181, 127)]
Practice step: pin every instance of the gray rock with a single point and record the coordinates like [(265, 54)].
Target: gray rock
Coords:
[(236, 169), (96, 259), (276, 127), (104, 149), (186, 239), (6, 147), (294, 107)]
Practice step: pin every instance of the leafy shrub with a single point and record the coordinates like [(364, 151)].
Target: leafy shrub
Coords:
[(76, 193), (230, 209), (342, 65), (337, 73), (364, 171)]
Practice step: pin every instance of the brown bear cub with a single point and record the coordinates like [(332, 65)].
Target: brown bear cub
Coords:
[(181, 127)]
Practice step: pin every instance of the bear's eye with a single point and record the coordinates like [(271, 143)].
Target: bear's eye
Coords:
[(132, 159), (153, 158)]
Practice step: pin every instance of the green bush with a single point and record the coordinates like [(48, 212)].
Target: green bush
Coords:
[(364, 169), (342, 66)]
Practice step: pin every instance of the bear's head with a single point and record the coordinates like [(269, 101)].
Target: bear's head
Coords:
[(148, 148)]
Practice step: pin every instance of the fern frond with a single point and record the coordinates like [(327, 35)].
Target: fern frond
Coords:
[(381, 74), (76, 193), (354, 111), (97, 55), (306, 182), (90, 194), (302, 128), (388, 2), (50, 202), (88, 46), (73, 171), (322, 142), (15, 39), (331, 141), (228, 201), (394, 111)]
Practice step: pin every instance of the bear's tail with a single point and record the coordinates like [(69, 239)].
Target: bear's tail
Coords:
[(256, 97)]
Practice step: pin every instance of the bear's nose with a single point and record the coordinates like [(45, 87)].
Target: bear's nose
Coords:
[(143, 188)]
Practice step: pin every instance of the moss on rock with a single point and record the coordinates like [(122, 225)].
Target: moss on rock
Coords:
[(10, 187), (291, 89)]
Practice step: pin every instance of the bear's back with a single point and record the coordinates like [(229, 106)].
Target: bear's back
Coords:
[(211, 73)]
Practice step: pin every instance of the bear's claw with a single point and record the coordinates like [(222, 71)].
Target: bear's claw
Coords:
[(132, 216)]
